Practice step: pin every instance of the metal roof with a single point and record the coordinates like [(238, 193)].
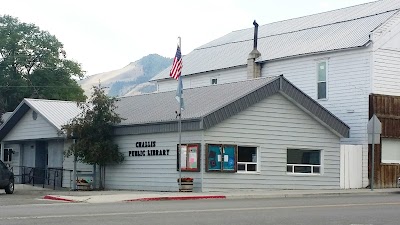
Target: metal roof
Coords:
[(204, 108), (56, 112), (161, 107), (329, 31), (207, 106)]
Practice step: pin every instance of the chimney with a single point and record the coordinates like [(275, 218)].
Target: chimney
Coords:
[(254, 69)]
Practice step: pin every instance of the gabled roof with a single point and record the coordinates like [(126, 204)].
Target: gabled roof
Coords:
[(204, 108), (199, 102), (324, 32), (207, 106), (56, 112)]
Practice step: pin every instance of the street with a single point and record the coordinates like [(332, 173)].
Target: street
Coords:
[(347, 210), (23, 198)]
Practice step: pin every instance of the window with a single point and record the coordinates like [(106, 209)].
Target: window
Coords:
[(7, 155), (214, 81), (390, 150), (322, 78), (189, 156), (247, 159), (303, 161), (221, 158)]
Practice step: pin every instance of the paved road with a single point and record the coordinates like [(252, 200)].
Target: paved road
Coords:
[(23, 198), (358, 210)]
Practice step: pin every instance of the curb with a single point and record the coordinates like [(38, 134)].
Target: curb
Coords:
[(307, 195), (177, 198), (55, 198)]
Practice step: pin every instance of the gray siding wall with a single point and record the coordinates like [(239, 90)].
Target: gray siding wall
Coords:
[(68, 166), (55, 153), (204, 79), (349, 85), (274, 125), (28, 128), (28, 154), (157, 173)]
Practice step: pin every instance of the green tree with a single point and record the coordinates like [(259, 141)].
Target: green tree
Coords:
[(93, 131), (33, 64)]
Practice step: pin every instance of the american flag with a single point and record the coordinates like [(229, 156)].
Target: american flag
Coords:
[(176, 69)]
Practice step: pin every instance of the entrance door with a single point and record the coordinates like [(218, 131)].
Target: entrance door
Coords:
[(41, 161)]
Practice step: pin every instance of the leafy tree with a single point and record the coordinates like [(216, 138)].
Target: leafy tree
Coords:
[(93, 130), (33, 64)]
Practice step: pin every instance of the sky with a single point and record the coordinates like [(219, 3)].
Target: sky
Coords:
[(107, 35)]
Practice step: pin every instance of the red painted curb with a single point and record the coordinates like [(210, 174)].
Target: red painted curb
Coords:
[(177, 198), (51, 197)]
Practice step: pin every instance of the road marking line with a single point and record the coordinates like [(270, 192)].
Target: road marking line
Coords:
[(198, 210)]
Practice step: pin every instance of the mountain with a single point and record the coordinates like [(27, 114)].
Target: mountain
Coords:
[(131, 79)]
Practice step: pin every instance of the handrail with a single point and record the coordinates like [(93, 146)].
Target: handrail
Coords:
[(43, 176)]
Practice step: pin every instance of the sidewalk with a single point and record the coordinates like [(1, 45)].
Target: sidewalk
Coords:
[(129, 196)]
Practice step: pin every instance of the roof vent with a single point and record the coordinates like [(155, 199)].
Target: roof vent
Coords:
[(34, 115)]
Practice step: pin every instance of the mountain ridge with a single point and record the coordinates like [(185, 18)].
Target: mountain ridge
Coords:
[(129, 80)]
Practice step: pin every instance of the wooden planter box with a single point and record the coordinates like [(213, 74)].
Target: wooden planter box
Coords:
[(186, 187), (83, 186)]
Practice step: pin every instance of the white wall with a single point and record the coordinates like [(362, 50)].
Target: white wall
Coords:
[(386, 57), (28, 129), (204, 79)]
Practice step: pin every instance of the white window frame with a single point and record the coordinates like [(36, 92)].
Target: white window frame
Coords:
[(213, 78), (8, 157), (326, 79), (249, 163), (303, 165)]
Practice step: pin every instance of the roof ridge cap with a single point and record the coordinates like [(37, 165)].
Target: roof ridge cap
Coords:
[(48, 100)]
